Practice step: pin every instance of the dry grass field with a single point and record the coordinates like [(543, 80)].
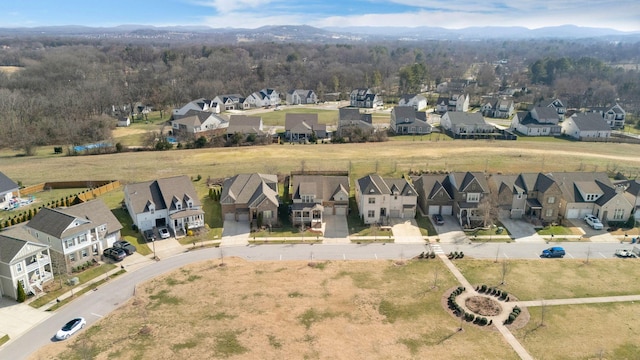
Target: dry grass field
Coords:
[(392, 158), (288, 310)]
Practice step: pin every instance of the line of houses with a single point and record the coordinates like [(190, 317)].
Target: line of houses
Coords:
[(57, 240)]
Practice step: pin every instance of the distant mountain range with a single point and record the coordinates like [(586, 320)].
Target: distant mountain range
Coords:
[(303, 33)]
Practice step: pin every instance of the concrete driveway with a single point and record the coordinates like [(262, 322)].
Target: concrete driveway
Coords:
[(450, 232), (17, 317), (235, 233), (406, 231), (521, 230), (593, 235), (336, 229)]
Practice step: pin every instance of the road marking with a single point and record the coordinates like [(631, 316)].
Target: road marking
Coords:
[(376, 255), (96, 315), (344, 257), (571, 256), (280, 256), (602, 255)]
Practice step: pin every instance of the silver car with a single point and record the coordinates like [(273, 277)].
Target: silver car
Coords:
[(71, 328)]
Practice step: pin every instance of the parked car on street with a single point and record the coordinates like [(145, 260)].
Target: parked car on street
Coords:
[(125, 245), (164, 233), (149, 236), (553, 252), (438, 219), (71, 328), (594, 222), (624, 253), (114, 254)]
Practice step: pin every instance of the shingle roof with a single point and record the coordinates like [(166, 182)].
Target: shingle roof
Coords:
[(570, 182), (13, 241), (55, 223), (7, 185), (590, 122), (322, 187), (250, 189), (464, 118), (375, 185), (292, 120), (97, 212), (160, 193), (244, 124)]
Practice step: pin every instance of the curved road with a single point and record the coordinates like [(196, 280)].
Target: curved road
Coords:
[(96, 304)]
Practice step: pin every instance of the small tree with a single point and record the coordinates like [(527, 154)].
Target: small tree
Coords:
[(22, 296)]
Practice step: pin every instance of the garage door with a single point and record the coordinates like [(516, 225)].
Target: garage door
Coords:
[(446, 210), (341, 210), (408, 214), (395, 213), (434, 209), (584, 212), (573, 213), (243, 217), (229, 216)]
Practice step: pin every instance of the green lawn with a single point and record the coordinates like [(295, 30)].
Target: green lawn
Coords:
[(426, 227), (555, 230)]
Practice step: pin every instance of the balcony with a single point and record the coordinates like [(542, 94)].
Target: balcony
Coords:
[(39, 262)]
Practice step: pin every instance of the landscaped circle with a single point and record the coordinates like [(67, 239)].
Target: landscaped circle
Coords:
[(483, 305)]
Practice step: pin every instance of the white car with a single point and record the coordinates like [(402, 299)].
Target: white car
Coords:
[(164, 233), (594, 222), (71, 328)]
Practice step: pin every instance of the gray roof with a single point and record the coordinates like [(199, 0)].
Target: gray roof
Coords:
[(63, 222), (593, 182), (431, 184), (353, 114), (11, 247), (7, 185), (590, 122), (250, 189), (244, 124), (161, 193), (375, 185), (546, 114), (322, 187), (292, 120), (464, 118)]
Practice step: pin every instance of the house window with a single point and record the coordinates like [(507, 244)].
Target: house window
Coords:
[(618, 214), (551, 200), (549, 213), (84, 253), (267, 214), (372, 200), (68, 243), (82, 238), (371, 213), (19, 267), (103, 228), (178, 206), (72, 257), (473, 197), (519, 196)]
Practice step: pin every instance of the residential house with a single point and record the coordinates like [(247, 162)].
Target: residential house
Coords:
[(263, 98), (498, 108), (24, 261), (560, 106), (381, 199), (365, 98), (632, 191), (540, 121), (75, 234), (316, 196), (405, 120), (301, 97), (613, 115), (454, 102), (202, 104), (350, 119), (245, 125), (251, 197), (433, 196), (418, 101), (535, 196), (465, 125), (455, 85), (8, 190), (586, 126), (197, 123), (467, 189), (229, 102), (586, 193), (303, 127), (172, 202)]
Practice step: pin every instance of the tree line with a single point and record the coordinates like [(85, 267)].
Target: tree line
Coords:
[(66, 89)]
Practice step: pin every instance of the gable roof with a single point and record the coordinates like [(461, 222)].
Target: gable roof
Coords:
[(353, 114), (97, 212), (374, 184), (321, 186), (292, 120), (432, 184), (245, 124), (465, 118), (7, 185), (250, 189), (571, 182), (161, 193), (590, 122), (12, 248), (460, 181), (57, 223)]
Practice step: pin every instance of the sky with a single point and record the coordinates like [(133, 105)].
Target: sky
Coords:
[(623, 15)]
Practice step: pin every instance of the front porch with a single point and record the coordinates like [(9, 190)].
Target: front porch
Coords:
[(310, 215)]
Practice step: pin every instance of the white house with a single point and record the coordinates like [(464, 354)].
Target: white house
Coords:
[(300, 96), (8, 189), (23, 261), (262, 98), (540, 121), (195, 122), (418, 101), (380, 199), (586, 126), (201, 104)]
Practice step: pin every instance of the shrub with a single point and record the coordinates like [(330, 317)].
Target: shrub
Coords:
[(483, 288), (22, 296)]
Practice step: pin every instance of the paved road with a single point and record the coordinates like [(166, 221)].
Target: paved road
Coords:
[(108, 297)]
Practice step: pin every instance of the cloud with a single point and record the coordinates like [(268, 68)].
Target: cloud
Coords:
[(231, 6)]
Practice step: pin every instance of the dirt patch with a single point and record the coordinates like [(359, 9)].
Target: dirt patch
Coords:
[(483, 305)]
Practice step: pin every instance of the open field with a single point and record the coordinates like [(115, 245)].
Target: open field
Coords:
[(549, 279), (276, 310), (392, 158)]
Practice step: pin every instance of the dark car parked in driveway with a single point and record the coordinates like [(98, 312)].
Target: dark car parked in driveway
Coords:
[(125, 245), (114, 254), (438, 219), (149, 235)]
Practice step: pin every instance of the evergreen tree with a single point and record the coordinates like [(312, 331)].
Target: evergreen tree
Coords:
[(22, 296)]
